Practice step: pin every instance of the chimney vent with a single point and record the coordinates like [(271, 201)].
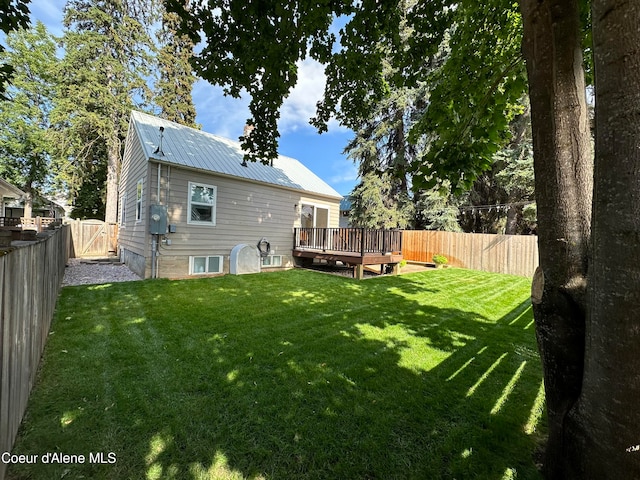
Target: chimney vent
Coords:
[(158, 151)]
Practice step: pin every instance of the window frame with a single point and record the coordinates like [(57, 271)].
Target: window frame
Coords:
[(271, 264), (213, 206), (139, 199), (123, 210), (192, 259)]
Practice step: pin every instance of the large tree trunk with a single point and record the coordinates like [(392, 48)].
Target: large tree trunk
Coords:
[(605, 425), (113, 168), (28, 202), (564, 180)]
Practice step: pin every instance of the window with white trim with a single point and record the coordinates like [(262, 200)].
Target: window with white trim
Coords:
[(139, 192), (202, 204), (204, 265), (272, 261), (123, 210)]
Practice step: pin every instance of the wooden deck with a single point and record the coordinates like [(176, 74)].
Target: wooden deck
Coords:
[(355, 247)]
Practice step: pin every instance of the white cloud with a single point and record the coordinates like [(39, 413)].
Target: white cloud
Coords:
[(220, 115), (345, 172), (300, 106)]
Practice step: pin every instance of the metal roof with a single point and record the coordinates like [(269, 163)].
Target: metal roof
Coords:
[(188, 147)]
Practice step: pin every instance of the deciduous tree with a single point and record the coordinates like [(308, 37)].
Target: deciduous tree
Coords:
[(25, 140), (14, 15)]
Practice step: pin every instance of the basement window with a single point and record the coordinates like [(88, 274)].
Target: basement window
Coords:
[(204, 265), (272, 261)]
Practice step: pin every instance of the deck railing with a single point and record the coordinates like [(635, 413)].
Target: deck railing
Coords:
[(352, 240), (9, 221)]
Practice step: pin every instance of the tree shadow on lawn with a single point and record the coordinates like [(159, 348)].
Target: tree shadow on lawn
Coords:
[(351, 380)]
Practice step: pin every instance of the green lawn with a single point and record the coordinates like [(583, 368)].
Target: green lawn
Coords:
[(290, 375)]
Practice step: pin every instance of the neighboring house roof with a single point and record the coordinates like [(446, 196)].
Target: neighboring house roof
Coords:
[(6, 189), (188, 147), (345, 204)]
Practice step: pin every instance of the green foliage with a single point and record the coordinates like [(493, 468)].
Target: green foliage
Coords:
[(499, 196), (436, 209), (175, 83), (103, 77), (381, 147), (90, 199), (373, 205), (25, 140), (440, 259), (253, 47), (474, 95), (14, 15)]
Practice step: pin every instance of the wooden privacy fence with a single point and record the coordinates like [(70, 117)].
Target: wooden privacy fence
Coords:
[(30, 279), (514, 254), (93, 238)]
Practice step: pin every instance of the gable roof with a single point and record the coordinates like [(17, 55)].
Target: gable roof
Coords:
[(188, 147), (7, 189)]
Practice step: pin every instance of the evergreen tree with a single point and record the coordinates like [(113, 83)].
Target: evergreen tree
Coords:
[(382, 198), (501, 196), (436, 209), (104, 71), (25, 142), (382, 147), (174, 86), (374, 206)]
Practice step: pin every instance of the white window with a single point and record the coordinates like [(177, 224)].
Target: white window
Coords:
[(272, 261), (123, 210), (139, 191), (314, 216), (202, 204), (204, 265)]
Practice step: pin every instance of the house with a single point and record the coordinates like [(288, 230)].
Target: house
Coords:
[(190, 206), (12, 201), (9, 195), (345, 212)]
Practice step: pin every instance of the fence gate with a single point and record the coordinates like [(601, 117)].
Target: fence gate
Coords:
[(94, 238)]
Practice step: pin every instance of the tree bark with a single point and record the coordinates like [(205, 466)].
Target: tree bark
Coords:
[(605, 423), (113, 168), (28, 202), (563, 166)]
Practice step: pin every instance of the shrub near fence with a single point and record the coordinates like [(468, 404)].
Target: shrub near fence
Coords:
[(30, 280), (513, 254)]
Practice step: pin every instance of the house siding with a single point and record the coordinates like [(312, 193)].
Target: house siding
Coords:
[(245, 213), (133, 238)]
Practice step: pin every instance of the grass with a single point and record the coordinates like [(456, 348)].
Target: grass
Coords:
[(293, 374)]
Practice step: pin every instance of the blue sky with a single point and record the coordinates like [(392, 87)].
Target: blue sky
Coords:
[(226, 116)]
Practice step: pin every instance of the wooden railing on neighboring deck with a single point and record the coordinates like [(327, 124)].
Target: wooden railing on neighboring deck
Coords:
[(9, 221), (352, 240)]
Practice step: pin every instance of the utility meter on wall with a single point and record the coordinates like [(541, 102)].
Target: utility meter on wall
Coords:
[(158, 220)]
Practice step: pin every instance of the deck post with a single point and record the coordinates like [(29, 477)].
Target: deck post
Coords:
[(358, 272), (362, 234)]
